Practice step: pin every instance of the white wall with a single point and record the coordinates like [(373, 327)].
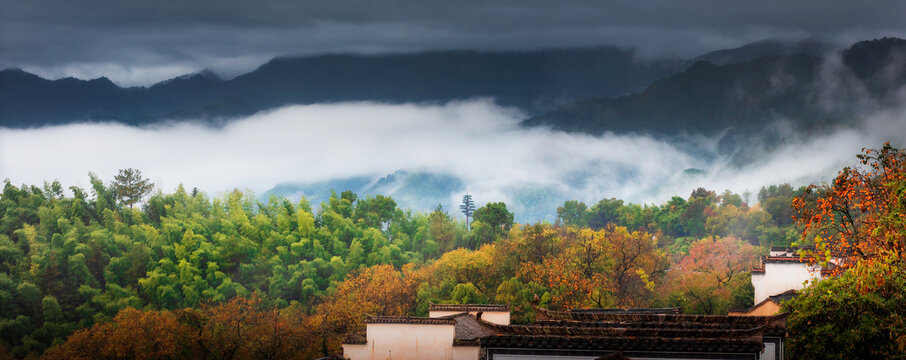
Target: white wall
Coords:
[(780, 277), (466, 352), (404, 342), (768, 352), (496, 317)]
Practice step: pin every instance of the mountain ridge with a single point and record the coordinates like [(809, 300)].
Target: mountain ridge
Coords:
[(743, 96), (534, 81)]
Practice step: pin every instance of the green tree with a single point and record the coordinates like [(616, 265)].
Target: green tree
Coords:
[(441, 229), (777, 200), (496, 218), (605, 212), (130, 186), (573, 213), (833, 319)]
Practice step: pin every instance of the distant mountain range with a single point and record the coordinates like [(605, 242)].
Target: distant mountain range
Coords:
[(535, 81), (423, 191), (707, 98), (809, 92)]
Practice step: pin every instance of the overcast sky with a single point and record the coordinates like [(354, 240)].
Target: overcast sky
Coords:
[(137, 42)]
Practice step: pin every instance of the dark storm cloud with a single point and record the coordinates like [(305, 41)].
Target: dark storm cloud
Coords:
[(139, 41)]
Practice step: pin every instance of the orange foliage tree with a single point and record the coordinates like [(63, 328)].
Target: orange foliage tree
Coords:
[(133, 334), (377, 290), (242, 328), (861, 218), (608, 267), (715, 268)]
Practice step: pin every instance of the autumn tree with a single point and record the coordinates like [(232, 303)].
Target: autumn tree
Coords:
[(637, 266), (377, 290), (129, 186), (861, 219), (604, 268), (478, 269), (242, 328), (715, 269), (862, 215), (133, 334)]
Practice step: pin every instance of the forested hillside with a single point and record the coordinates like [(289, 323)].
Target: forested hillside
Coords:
[(70, 262)]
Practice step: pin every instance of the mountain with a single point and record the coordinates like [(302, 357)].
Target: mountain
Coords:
[(25, 97), (806, 90), (418, 190), (535, 81), (763, 48), (423, 191)]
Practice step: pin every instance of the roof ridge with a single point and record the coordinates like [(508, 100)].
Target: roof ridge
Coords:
[(444, 320)]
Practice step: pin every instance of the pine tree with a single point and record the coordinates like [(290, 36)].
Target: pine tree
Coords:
[(130, 187), (467, 208)]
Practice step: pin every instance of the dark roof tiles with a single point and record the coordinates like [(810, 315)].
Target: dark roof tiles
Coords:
[(468, 307), (355, 339), (624, 343), (446, 320), (672, 310), (785, 259), (544, 314)]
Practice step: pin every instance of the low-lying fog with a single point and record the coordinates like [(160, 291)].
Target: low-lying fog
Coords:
[(475, 142)]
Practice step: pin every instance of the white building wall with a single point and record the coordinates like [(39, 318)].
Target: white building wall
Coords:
[(466, 352), (404, 342), (768, 352), (780, 277), (496, 317)]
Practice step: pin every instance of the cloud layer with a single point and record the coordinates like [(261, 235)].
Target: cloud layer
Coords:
[(142, 41), (476, 141)]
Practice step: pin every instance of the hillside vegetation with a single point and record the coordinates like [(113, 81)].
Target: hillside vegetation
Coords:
[(182, 259)]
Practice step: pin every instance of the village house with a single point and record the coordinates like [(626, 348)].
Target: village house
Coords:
[(484, 332), (780, 275)]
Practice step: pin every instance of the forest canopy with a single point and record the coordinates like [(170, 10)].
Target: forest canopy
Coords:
[(74, 262)]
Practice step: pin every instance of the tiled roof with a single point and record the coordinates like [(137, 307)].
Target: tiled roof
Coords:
[(446, 320), (544, 314), (467, 307), (466, 342), (634, 331), (784, 259), (355, 339), (790, 248), (786, 295), (673, 310), (681, 325), (624, 343), (757, 270)]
